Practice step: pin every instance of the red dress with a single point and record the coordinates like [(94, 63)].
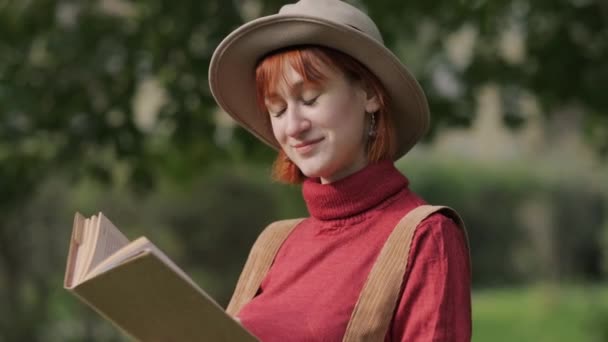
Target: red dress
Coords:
[(315, 280)]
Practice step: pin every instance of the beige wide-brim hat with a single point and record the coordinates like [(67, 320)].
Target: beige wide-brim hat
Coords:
[(330, 23)]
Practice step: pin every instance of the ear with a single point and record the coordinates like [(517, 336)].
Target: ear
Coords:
[(372, 104)]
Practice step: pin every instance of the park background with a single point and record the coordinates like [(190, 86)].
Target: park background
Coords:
[(104, 106)]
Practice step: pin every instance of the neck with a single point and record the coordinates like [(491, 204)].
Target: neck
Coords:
[(355, 167)]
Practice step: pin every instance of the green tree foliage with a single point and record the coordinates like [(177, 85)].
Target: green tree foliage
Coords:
[(69, 72), (563, 54)]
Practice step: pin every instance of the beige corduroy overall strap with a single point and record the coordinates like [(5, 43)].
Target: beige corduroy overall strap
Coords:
[(374, 310), (260, 258)]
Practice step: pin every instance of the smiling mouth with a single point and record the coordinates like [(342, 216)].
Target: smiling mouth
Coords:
[(306, 146)]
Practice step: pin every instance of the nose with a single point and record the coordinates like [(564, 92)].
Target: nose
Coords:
[(297, 123)]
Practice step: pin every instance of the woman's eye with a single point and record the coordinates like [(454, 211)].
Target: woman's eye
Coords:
[(276, 113), (311, 101)]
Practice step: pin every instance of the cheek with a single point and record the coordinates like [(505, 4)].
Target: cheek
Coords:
[(344, 113), (351, 120), (276, 130)]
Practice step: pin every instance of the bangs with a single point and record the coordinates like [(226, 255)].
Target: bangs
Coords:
[(271, 72)]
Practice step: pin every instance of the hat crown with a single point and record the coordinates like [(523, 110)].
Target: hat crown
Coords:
[(335, 11)]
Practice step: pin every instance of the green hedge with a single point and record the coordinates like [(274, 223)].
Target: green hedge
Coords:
[(525, 222)]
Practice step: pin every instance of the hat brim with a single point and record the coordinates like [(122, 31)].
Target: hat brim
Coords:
[(232, 72)]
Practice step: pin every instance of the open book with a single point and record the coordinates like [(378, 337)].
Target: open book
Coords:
[(140, 290)]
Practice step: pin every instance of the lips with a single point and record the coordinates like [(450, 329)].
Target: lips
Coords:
[(308, 142), (307, 145)]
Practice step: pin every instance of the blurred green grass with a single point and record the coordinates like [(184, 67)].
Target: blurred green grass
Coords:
[(541, 313)]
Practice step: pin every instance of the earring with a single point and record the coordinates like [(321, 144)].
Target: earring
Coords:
[(372, 126)]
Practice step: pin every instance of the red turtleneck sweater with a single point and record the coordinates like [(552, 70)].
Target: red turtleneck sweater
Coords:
[(315, 280)]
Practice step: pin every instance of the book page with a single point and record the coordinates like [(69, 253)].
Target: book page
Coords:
[(108, 240), (84, 250), (75, 242), (130, 251)]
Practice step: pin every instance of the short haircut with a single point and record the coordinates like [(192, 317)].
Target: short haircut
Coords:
[(307, 61)]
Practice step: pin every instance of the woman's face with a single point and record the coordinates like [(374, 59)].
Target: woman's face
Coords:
[(322, 128)]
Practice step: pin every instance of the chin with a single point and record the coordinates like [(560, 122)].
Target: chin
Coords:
[(313, 171), (319, 166), (312, 174)]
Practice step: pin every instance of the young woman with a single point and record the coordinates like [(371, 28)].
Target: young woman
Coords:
[(316, 83)]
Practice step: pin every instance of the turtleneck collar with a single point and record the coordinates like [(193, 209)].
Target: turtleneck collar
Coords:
[(353, 194)]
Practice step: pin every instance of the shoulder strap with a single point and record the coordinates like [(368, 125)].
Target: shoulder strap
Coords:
[(374, 310), (258, 263)]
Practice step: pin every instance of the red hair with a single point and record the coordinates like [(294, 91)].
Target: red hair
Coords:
[(308, 61)]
